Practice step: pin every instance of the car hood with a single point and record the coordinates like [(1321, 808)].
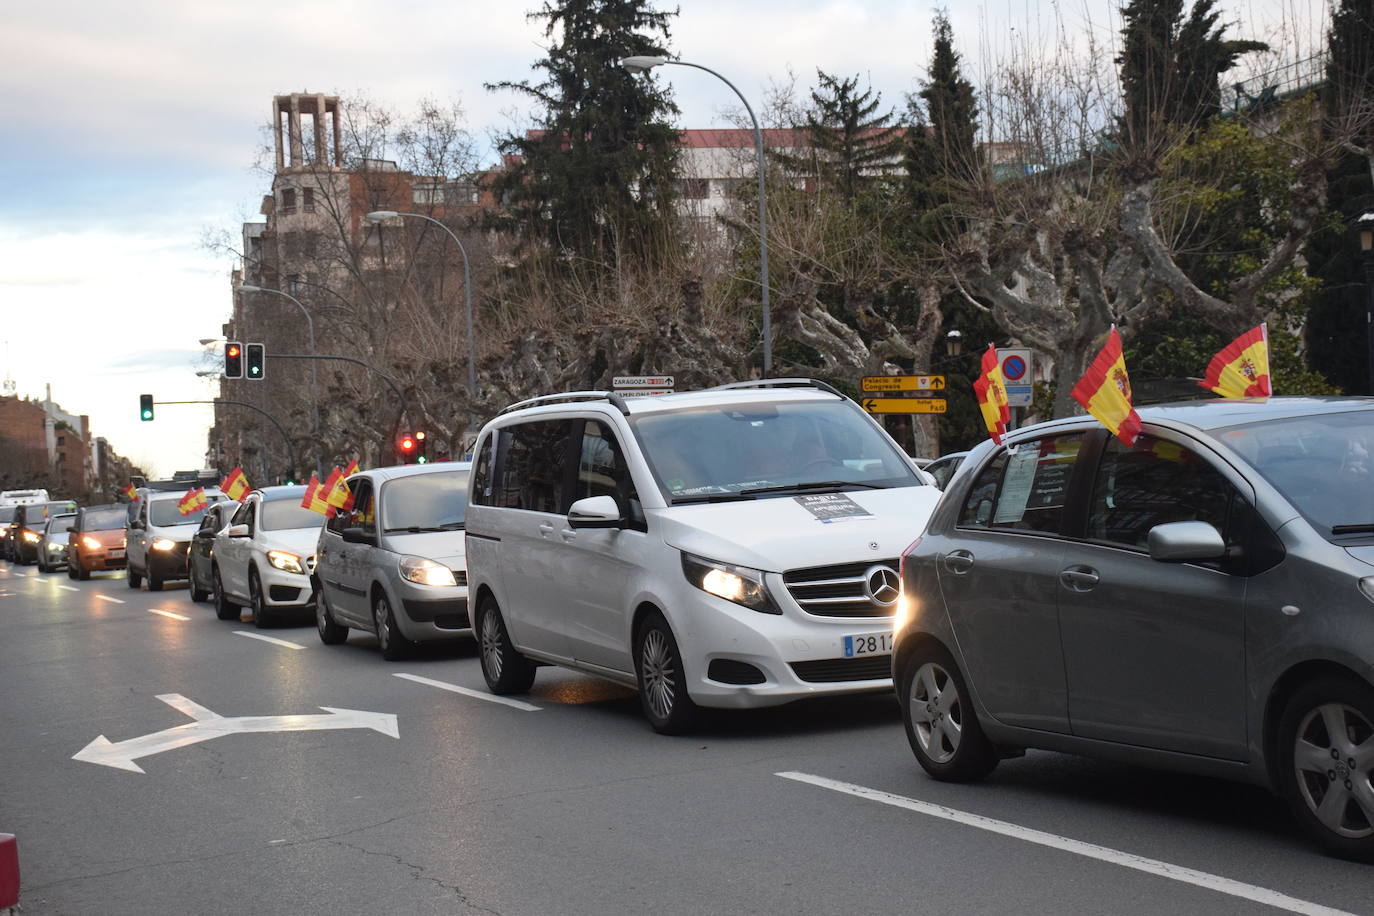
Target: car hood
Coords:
[(775, 534), (300, 541), (446, 547), (1364, 554), (110, 537)]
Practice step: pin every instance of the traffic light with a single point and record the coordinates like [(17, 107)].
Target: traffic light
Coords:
[(145, 406), (256, 361), (407, 447), (233, 359), (421, 447)]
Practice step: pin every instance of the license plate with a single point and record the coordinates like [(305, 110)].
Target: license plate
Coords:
[(868, 644), (116, 552)]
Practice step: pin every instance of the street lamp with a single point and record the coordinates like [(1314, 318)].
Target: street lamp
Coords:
[(378, 216), (954, 342), (643, 64), (310, 326), (1365, 225)]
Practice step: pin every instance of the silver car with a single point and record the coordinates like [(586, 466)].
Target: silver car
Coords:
[(1203, 601), (394, 563)]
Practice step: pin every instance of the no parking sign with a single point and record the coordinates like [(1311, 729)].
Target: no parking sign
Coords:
[(1016, 370)]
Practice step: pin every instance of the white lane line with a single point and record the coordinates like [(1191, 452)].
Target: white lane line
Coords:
[(1054, 841), (153, 610), (68, 588), (108, 598), (475, 694), (272, 639)]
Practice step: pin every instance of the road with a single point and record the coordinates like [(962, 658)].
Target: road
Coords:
[(567, 804)]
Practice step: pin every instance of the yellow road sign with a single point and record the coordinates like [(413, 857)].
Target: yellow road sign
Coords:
[(903, 383), (904, 405)]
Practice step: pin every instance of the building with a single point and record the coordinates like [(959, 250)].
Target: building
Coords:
[(41, 445)]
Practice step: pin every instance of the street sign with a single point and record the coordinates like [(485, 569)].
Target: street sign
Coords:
[(1016, 370), (642, 381), (903, 383), (643, 392), (904, 405)]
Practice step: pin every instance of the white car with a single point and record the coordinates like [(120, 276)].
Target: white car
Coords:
[(734, 547), (158, 534), (262, 560)]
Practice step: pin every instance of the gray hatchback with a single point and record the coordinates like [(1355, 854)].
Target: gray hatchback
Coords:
[(1203, 601)]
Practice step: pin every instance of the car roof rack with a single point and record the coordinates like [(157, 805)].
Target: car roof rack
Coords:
[(615, 400), (782, 383)]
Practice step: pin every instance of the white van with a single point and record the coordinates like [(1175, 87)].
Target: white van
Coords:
[(733, 547)]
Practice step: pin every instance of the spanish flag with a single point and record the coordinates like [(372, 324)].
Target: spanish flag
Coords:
[(335, 490), (314, 498), (131, 491), (991, 391), (1241, 369), (352, 468), (192, 501), (235, 485), (1105, 391)]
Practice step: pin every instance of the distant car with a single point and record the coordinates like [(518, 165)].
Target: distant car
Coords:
[(6, 538), (158, 535), (52, 547), (1202, 600), (944, 467), (200, 555), (26, 529), (97, 544), (262, 560), (395, 565)]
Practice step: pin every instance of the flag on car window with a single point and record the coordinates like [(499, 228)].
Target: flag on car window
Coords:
[(131, 492), (192, 501), (336, 490), (235, 485), (314, 498), (352, 468), (1105, 391), (991, 391), (1241, 369)]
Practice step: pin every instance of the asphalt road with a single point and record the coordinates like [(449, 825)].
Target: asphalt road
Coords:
[(572, 806)]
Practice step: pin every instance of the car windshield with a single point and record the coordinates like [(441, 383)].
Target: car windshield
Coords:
[(1323, 464), (58, 524), (701, 452), (36, 515), (288, 513), (426, 502), (104, 519), (7, 513), (164, 512)]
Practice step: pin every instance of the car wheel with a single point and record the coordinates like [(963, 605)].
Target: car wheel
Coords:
[(71, 570), (154, 582), (42, 567), (940, 722), (135, 577), (394, 646), (82, 572), (1326, 758), (224, 608), (505, 670), (662, 681), (256, 602), (331, 633), (198, 594)]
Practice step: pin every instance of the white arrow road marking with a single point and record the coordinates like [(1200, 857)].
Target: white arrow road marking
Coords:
[(208, 724), (475, 694), (108, 598), (1211, 882), (68, 588), (272, 639), (153, 610)]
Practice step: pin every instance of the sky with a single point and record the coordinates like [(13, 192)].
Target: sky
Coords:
[(131, 130)]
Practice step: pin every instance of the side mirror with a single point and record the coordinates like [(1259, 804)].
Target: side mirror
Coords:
[(595, 512), (71, 530), (206, 534), (1179, 542), (357, 536), (135, 525), (237, 531)]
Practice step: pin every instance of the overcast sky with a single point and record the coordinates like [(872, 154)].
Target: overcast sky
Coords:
[(130, 130)]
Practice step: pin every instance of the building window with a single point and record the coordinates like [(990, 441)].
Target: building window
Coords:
[(308, 200), (694, 189), (288, 200), (428, 193)]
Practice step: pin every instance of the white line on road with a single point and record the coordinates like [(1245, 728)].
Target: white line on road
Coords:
[(68, 588), (1090, 850), (108, 598), (153, 610), (272, 639), (475, 694)]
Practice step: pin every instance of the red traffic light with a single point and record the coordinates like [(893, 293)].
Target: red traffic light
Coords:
[(407, 444), (233, 350)]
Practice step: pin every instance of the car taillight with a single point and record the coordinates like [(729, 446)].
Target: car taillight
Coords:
[(901, 563)]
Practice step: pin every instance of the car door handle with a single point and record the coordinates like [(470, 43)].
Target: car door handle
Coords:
[(545, 530), (1078, 578), (567, 534), (958, 561)]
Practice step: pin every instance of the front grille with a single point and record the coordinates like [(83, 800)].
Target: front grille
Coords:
[(452, 621), (837, 591), (730, 671), (283, 593), (830, 670)]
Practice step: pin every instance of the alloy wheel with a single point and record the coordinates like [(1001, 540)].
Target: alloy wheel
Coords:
[(491, 644), (1334, 758), (936, 712), (381, 613), (658, 673)]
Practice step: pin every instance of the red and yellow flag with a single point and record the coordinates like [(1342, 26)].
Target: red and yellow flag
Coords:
[(131, 491), (991, 391), (352, 468), (235, 485), (1241, 369), (314, 498), (335, 489), (1105, 391), (192, 501)]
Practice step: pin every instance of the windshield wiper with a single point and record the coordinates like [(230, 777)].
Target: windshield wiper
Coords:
[(712, 498), (1365, 528), (816, 485), (413, 529), (451, 526)]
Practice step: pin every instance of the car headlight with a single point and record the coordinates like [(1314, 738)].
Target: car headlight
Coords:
[(90, 543), (426, 572), (162, 544), (31, 537), (55, 547), (737, 584), (285, 561)]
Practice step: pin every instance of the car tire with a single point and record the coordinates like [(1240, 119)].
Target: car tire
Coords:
[(83, 573), (1330, 796), (331, 633), (42, 567), (198, 594), (257, 602), (71, 571), (154, 582), (505, 670), (393, 644), (941, 724), (662, 680), (224, 608), (135, 577)]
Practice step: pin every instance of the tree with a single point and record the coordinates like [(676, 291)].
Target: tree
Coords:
[(598, 175), (1349, 90), (851, 141)]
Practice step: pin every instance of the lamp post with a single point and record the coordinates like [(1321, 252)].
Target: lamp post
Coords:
[(643, 64), (310, 326), (1365, 225), (377, 216)]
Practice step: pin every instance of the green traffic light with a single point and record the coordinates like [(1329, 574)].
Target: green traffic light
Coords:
[(147, 414), (421, 460)]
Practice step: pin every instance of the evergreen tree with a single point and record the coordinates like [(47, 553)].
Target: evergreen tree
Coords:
[(1349, 91), (950, 106), (852, 141), (599, 172)]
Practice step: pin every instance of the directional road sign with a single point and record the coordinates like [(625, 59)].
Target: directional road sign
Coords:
[(904, 405), (903, 383), (642, 381)]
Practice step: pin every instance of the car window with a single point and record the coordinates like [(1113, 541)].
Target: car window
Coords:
[(278, 514), (242, 514), (1154, 482), (1024, 488), (58, 524), (481, 472), (365, 507), (103, 519), (425, 502), (533, 466), (602, 471)]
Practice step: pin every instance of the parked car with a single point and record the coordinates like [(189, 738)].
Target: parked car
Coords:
[(394, 564), (734, 547), (158, 534), (97, 543), (200, 554), (262, 561), (1198, 601), (52, 546), (944, 467), (26, 528)]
